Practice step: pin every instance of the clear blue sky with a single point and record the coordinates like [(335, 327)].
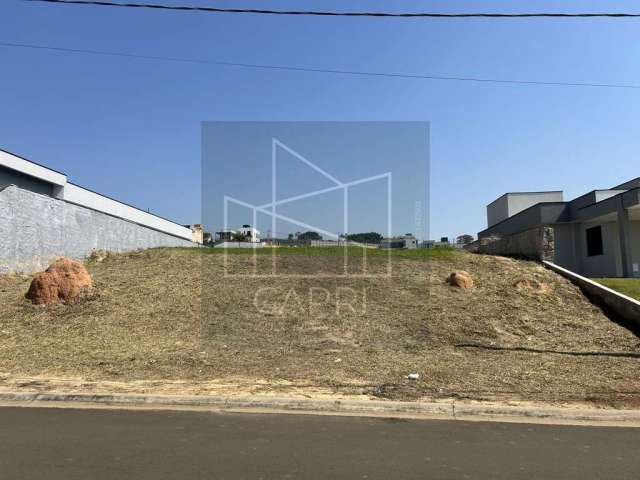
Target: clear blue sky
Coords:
[(131, 128), (238, 162)]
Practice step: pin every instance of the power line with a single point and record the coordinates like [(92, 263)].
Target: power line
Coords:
[(339, 14), (317, 70)]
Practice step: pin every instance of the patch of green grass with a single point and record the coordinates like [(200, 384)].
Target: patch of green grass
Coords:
[(419, 253), (627, 286)]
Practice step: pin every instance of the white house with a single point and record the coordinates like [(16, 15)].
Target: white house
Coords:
[(253, 234), (405, 241)]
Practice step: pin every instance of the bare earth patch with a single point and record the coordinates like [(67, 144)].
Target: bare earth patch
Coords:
[(169, 320)]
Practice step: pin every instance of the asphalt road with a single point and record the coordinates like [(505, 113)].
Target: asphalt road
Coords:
[(43, 443)]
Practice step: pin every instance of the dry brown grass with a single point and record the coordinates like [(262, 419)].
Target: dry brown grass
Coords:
[(172, 315)]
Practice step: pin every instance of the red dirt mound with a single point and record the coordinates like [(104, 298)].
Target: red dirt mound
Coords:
[(531, 284), (65, 281), (460, 279)]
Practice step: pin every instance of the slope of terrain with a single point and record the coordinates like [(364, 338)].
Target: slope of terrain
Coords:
[(195, 318)]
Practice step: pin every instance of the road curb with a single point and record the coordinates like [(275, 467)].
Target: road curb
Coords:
[(448, 410), (557, 414), (236, 403)]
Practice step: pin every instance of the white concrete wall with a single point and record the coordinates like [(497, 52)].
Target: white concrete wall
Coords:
[(239, 245), (36, 228), (64, 190), (86, 198)]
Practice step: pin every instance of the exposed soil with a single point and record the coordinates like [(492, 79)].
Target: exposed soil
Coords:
[(172, 317)]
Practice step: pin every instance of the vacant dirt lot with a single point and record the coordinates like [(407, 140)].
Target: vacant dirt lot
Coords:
[(168, 317)]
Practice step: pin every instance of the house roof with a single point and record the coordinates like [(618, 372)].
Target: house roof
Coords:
[(523, 193), (73, 193)]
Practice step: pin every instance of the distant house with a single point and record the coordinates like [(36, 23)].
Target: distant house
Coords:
[(226, 235), (250, 234), (404, 241), (444, 242), (596, 234), (197, 233)]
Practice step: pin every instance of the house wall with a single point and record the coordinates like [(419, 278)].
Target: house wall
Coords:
[(565, 253), (635, 247), (197, 235), (87, 198), (532, 217), (497, 211), (608, 264), (521, 201), (35, 229), (512, 203)]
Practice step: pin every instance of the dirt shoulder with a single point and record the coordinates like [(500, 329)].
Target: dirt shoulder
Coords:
[(170, 321)]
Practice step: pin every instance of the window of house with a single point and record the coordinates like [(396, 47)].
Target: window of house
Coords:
[(594, 241)]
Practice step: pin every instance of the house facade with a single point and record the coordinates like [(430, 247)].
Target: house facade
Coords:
[(596, 234), (197, 233), (249, 233), (252, 234), (404, 241)]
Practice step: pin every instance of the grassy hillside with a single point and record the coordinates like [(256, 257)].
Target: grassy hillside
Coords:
[(198, 315), (350, 251)]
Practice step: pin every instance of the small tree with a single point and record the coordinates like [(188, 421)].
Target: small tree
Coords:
[(369, 237), (310, 236), (465, 239)]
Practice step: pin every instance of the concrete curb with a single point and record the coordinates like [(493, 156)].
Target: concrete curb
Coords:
[(626, 307), (237, 403), (449, 410), (554, 414)]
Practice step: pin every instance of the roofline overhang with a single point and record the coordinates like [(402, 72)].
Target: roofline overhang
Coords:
[(524, 193), (31, 169), (628, 198)]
